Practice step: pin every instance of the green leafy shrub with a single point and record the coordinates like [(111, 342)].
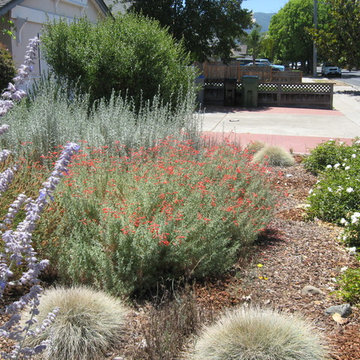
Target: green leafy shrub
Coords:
[(337, 194), (7, 68), (350, 286), (130, 54), (89, 323), (129, 223), (274, 156), (249, 334), (328, 153), (351, 233)]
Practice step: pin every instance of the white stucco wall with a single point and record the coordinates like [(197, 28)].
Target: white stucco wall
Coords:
[(30, 16)]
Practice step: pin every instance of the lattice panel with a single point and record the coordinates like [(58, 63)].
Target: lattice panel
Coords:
[(214, 83), (308, 88)]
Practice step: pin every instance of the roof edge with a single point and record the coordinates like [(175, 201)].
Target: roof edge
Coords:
[(9, 6), (13, 3), (104, 7)]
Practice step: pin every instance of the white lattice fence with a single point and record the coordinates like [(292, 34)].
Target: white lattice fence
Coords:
[(314, 95)]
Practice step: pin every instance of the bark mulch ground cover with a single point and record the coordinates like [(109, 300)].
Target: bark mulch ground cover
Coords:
[(293, 253)]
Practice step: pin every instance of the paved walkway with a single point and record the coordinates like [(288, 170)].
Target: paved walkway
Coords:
[(295, 129)]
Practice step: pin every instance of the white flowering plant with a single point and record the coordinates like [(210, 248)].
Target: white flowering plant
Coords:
[(351, 233), (336, 196), (349, 283), (328, 154)]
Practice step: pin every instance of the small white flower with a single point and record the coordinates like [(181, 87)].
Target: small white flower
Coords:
[(357, 142), (343, 164), (343, 221), (347, 167), (329, 167), (330, 189), (349, 190), (355, 217), (311, 191), (353, 156), (336, 166), (351, 250), (344, 268), (341, 143)]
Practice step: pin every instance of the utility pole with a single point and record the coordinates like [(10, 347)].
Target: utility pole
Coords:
[(314, 45)]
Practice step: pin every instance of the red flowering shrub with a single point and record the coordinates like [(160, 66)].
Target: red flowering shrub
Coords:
[(168, 212)]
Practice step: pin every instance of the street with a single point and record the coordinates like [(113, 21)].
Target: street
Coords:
[(351, 78)]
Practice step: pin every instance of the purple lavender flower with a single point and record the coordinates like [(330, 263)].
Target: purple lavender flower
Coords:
[(3, 129), (6, 178), (13, 91), (18, 250)]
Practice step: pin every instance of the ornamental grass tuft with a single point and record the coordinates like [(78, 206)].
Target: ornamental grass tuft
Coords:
[(274, 156), (255, 146), (254, 334), (88, 324)]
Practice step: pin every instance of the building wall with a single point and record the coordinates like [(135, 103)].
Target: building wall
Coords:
[(30, 16)]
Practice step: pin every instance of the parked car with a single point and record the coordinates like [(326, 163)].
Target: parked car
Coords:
[(266, 62), (330, 70)]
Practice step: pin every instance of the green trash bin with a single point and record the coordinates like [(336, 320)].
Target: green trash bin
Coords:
[(250, 91)]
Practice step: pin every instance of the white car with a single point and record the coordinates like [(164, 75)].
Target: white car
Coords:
[(330, 70)]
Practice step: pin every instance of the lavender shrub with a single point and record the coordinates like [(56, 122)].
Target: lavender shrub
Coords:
[(18, 252)]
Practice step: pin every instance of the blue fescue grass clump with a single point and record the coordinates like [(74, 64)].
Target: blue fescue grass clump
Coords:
[(254, 334), (88, 324)]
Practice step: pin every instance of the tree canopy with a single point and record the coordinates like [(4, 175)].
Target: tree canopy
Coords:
[(338, 41), (208, 28), (290, 30), (254, 41)]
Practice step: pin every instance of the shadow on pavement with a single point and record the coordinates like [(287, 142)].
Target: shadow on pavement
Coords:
[(348, 92)]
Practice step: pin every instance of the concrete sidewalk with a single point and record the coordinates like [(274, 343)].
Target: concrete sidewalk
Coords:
[(295, 129)]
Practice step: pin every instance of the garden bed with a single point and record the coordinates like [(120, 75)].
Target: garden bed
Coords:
[(292, 253)]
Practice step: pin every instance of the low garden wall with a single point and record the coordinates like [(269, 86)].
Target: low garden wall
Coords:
[(311, 95)]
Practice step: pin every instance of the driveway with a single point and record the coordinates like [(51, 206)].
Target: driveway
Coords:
[(296, 129)]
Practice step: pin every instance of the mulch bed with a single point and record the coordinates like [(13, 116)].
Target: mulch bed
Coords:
[(293, 253)]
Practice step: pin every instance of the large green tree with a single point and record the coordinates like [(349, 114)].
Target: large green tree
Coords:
[(290, 30), (339, 40), (208, 28)]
